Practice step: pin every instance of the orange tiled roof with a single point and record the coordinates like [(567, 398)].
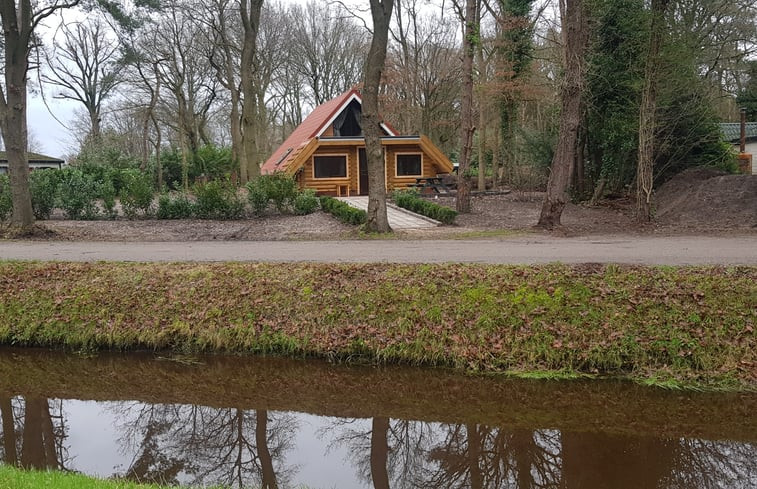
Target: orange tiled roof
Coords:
[(311, 127)]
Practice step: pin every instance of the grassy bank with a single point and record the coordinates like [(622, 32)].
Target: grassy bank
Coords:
[(12, 478), (677, 326)]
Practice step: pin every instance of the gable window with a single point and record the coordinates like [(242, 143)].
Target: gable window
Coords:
[(330, 166), (409, 165)]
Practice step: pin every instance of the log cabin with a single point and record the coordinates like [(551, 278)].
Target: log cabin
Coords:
[(326, 152)]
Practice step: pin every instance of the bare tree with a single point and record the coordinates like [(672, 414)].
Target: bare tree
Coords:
[(647, 113), (381, 12), (84, 66), (328, 50), (250, 162), (20, 19), (467, 127), (575, 37)]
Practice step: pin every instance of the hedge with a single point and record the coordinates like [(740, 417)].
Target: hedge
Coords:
[(411, 201), (343, 211)]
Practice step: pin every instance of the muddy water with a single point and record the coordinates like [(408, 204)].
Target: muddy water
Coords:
[(268, 422)]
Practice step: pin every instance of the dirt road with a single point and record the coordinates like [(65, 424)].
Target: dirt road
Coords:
[(689, 250)]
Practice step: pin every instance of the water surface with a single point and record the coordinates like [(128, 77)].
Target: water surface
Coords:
[(271, 422)]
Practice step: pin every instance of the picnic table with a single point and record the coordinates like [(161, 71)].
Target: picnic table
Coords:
[(436, 184)]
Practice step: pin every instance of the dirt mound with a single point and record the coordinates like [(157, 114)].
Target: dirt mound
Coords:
[(706, 198)]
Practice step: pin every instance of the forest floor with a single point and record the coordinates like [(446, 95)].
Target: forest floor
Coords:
[(696, 202)]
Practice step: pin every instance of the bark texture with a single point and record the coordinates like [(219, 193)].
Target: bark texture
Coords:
[(470, 39), (381, 11), (17, 29), (647, 114), (249, 164), (575, 35)]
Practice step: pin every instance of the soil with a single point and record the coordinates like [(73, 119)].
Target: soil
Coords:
[(698, 201)]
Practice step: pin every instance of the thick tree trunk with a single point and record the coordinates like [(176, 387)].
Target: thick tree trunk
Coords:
[(470, 38), (17, 28), (249, 164), (574, 26), (268, 475), (381, 11), (647, 113), (379, 452), (10, 456)]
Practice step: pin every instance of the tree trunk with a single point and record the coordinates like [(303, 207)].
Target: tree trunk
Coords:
[(381, 11), (249, 166), (268, 475), (574, 26), (17, 28), (481, 185), (379, 451), (647, 112), (470, 38), (10, 456)]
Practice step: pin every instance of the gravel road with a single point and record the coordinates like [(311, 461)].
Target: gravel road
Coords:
[(670, 250)]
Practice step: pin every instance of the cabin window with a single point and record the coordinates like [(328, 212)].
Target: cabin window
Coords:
[(409, 165), (330, 166)]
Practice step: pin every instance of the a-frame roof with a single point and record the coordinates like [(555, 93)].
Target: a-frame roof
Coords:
[(313, 126)]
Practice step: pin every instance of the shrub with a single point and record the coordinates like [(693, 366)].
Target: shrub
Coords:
[(77, 194), (257, 195), (217, 200), (305, 203), (6, 201), (280, 188), (136, 194), (411, 201), (108, 195), (175, 207), (343, 211), (43, 185)]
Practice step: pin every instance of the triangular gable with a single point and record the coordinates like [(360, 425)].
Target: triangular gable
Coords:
[(314, 126)]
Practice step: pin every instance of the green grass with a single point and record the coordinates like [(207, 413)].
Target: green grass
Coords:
[(682, 326), (12, 478)]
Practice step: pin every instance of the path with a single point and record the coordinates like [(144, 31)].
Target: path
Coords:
[(398, 218), (689, 250)]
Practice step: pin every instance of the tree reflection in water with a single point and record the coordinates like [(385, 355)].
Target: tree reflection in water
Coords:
[(33, 433), (389, 454), (199, 445), (478, 457), (206, 446)]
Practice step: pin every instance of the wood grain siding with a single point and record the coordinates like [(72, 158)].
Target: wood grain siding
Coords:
[(329, 185), (393, 180)]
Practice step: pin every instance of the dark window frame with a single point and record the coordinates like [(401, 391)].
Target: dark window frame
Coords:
[(405, 173), (343, 157)]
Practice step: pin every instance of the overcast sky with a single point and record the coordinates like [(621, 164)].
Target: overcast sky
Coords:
[(52, 137)]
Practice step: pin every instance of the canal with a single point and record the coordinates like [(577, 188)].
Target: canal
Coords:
[(273, 422)]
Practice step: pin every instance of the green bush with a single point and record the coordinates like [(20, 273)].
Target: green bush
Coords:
[(305, 203), (343, 211), (413, 202), (107, 193), (257, 195), (280, 189), (217, 200), (77, 194), (43, 185), (175, 207), (136, 194), (6, 201)]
